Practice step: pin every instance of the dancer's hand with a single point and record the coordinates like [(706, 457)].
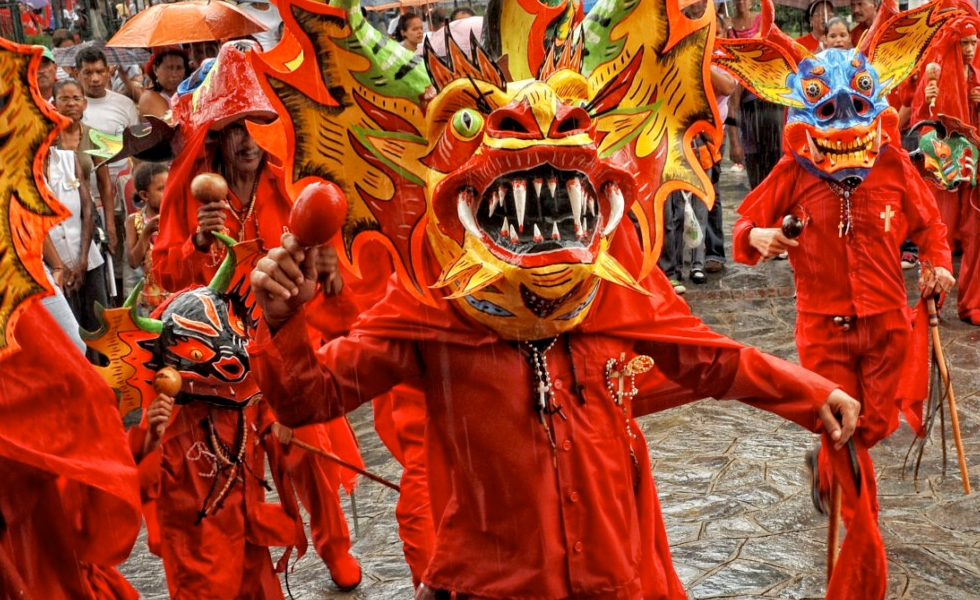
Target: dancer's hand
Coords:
[(210, 217), (424, 592), (839, 415), (157, 418), (328, 266), (770, 242), (283, 434), (284, 280), (935, 281)]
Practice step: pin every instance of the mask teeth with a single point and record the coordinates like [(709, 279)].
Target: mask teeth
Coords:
[(464, 209), (576, 199), (815, 154), (617, 206), (520, 201), (554, 232), (552, 185), (505, 228), (538, 182), (513, 235), (537, 234)]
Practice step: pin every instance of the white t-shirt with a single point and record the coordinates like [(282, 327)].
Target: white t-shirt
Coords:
[(110, 114), (67, 235), (269, 16)]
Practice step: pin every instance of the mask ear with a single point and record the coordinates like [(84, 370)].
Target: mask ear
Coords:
[(896, 41), (764, 64)]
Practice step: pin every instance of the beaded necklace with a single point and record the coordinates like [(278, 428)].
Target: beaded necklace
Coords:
[(844, 194), (536, 355)]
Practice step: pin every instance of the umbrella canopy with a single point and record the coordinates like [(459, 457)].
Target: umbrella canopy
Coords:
[(65, 57), (36, 4), (185, 22)]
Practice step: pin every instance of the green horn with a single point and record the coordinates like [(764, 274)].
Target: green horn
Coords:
[(147, 324), (222, 279)]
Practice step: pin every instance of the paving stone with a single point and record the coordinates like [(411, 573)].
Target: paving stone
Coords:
[(737, 578)]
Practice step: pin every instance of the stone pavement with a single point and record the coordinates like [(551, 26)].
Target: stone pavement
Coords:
[(731, 479)]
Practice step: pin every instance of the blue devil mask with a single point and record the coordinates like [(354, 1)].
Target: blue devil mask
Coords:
[(839, 118)]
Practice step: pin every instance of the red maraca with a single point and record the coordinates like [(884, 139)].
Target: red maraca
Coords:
[(318, 213)]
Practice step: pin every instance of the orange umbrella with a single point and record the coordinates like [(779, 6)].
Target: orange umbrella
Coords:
[(185, 22)]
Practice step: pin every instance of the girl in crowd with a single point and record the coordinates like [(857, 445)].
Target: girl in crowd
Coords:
[(410, 31), (837, 35), (141, 228)]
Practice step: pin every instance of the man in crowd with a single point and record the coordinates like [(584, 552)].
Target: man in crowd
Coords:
[(863, 12), (111, 113), (817, 14)]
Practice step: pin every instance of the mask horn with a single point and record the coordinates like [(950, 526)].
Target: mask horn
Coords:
[(222, 279)]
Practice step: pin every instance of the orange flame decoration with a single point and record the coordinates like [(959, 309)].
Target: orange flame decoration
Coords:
[(28, 127), (352, 110)]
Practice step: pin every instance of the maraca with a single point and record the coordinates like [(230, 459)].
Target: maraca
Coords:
[(318, 213), (167, 381), (932, 74), (209, 187), (792, 226)]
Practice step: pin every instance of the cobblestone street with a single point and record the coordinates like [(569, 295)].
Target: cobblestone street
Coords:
[(732, 480)]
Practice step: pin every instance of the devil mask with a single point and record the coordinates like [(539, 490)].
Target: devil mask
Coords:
[(839, 117)]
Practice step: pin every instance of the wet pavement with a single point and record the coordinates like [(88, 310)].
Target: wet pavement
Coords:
[(732, 482)]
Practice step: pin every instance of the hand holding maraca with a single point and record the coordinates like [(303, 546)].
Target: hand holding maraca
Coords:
[(211, 190)]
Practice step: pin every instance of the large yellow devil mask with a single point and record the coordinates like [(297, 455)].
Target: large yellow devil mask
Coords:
[(516, 186)]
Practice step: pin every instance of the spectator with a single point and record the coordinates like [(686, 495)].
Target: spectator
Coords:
[(818, 13), (62, 39), (863, 12), (837, 35), (111, 113), (47, 73), (166, 69), (463, 12), (76, 255), (410, 31), (198, 52), (142, 227), (268, 15), (745, 23)]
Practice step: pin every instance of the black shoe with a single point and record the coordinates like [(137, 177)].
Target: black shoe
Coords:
[(698, 276), (819, 497)]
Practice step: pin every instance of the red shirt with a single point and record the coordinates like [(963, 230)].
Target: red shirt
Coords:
[(857, 32), (524, 519), (809, 41), (859, 273)]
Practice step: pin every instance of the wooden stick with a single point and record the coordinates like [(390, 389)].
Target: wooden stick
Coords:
[(333, 457), (833, 530), (937, 347)]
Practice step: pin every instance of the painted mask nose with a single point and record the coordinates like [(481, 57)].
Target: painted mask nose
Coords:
[(230, 368)]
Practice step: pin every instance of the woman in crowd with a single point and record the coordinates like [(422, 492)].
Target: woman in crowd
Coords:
[(410, 31), (166, 70)]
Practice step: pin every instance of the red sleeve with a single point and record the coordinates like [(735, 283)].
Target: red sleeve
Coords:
[(765, 206), (304, 386), (747, 375), (926, 227)]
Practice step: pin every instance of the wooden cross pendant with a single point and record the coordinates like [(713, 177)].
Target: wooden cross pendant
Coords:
[(887, 215)]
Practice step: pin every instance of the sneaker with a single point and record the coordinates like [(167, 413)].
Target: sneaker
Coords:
[(714, 266), (698, 276), (909, 261), (679, 288), (820, 497), (345, 572)]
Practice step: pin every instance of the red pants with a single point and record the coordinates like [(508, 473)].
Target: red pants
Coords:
[(968, 282), (866, 359), (400, 422), (950, 208)]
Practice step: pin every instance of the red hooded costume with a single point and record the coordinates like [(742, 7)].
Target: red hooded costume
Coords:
[(178, 264), (961, 207), (554, 505), (69, 503)]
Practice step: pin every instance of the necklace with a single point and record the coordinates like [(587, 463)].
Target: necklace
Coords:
[(545, 399), (248, 212), (844, 194)]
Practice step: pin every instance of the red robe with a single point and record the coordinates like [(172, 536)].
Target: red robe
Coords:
[(526, 517), (856, 276), (809, 41), (178, 264), (69, 503)]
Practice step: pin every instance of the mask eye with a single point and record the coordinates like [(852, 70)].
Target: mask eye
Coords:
[(192, 350), (814, 89), (863, 83), (467, 123)]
